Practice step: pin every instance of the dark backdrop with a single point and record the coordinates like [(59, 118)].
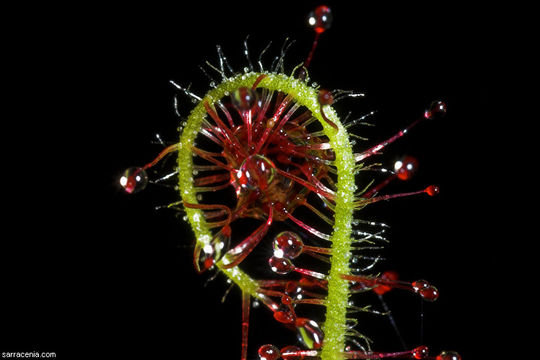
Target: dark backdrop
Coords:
[(90, 270)]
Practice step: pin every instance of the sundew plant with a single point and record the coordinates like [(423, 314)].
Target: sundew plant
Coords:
[(264, 157)]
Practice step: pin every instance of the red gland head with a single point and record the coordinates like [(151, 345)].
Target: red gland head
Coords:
[(435, 111), (383, 289), (432, 190), (286, 300), (420, 352), (288, 245), (255, 172), (134, 179), (425, 290), (285, 315), (448, 355), (406, 167), (269, 352), (320, 19), (280, 266), (293, 290)]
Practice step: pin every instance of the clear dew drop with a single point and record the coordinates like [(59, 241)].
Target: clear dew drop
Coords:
[(244, 98), (427, 291), (133, 180), (269, 352), (256, 172), (288, 245), (421, 352), (435, 111), (293, 290), (406, 167), (309, 333), (448, 355), (284, 314), (320, 19), (280, 266)]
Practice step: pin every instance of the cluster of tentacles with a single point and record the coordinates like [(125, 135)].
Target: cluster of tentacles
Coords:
[(264, 148)]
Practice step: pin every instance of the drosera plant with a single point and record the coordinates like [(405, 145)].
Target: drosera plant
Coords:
[(268, 147)]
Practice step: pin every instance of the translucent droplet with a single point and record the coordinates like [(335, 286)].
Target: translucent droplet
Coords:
[(309, 333), (435, 111), (430, 294), (204, 257), (256, 172), (269, 352), (425, 290), (206, 254), (134, 179), (432, 190), (293, 290), (383, 289), (420, 284), (320, 19), (280, 266), (448, 355), (420, 352), (286, 300), (406, 167), (285, 315), (288, 245), (244, 98)]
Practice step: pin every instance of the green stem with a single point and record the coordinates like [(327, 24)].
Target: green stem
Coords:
[(335, 324)]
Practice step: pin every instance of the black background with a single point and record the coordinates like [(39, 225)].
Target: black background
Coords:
[(88, 270)]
